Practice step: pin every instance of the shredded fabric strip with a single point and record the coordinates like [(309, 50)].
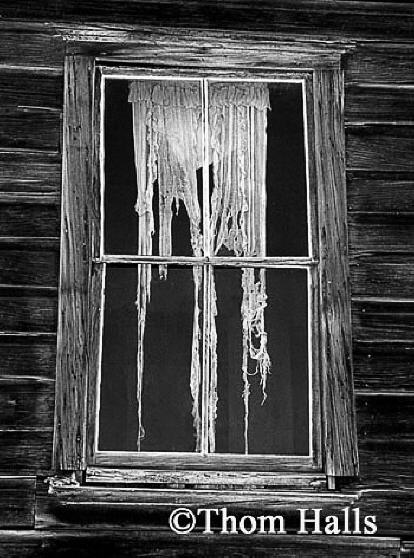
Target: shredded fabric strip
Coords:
[(168, 147)]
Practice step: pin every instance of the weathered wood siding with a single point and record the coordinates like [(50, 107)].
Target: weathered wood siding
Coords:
[(379, 77)]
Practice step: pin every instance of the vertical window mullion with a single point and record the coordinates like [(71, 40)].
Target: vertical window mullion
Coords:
[(206, 275)]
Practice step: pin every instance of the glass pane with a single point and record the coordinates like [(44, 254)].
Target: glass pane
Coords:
[(167, 374), (118, 427), (279, 424), (258, 166), (286, 218), (153, 205), (120, 224)]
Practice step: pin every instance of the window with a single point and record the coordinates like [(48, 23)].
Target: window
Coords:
[(208, 328), (209, 356)]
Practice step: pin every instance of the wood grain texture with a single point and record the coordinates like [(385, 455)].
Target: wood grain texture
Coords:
[(386, 463), (337, 393), (378, 104), (380, 148), (203, 479), (30, 89), (29, 220), (189, 50), (30, 172), (383, 320), (241, 500), (383, 367), (394, 509), (385, 417), (387, 276), (382, 192), (26, 451), (29, 129), (213, 462), (346, 18), (381, 64), (52, 515), (25, 355), (36, 198), (38, 49), (150, 542), (26, 402), (27, 242), (22, 313), (78, 312), (17, 502), (96, 288), (29, 267), (380, 234)]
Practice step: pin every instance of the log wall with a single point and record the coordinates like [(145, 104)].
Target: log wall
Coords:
[(379, 103)]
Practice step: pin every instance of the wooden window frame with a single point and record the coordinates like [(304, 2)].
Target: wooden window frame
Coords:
[(78, 347), (193, 460)]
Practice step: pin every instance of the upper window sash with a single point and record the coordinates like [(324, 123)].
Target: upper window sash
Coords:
[(304, 81)]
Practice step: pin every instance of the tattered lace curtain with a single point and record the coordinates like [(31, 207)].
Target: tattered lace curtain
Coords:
[(167, 122)]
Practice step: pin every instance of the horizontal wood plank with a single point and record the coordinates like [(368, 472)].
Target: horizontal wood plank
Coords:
[(213, 462), (17, 502), (394, 510), (378, 104), (383, 321), (380, 234), (22, 313), (30, 172), (29, 220), (384, 417), (31, 49), (29, 267), (26, 403), (203, 479), (30, 129), (347, 18), (380, 192), (380, 148), (26, 451), (68, 493), (130, 516), (386, 463), (386, 439), (217, 52), (381, 64), (147, 542), (383, 276), (27, 242), (35, 198), (30, 89), (350, 19), (32, 356), (383, 367)]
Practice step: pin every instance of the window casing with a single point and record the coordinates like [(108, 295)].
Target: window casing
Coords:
[(325, 265)]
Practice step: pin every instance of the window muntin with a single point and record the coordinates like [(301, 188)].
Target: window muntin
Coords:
[(296, 253)]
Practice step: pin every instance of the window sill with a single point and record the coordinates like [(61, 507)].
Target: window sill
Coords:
[(220, 479), (69, 493)]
